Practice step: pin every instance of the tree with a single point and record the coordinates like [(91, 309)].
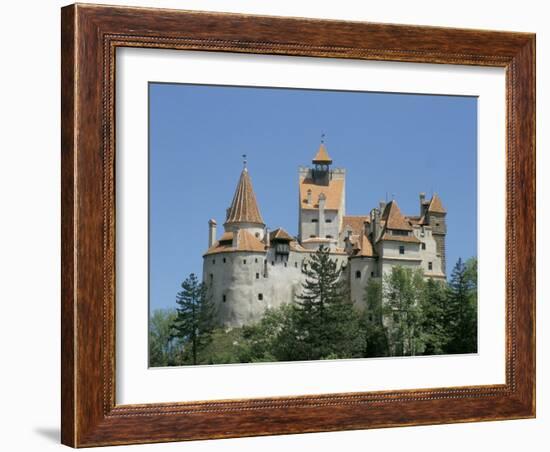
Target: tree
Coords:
[(434, 322), (324, 321), (162, 346), (195, 316), (373, 332), (402, 293), (462, 308), (273, 338)]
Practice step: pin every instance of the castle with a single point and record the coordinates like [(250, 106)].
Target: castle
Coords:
[(251, 268)]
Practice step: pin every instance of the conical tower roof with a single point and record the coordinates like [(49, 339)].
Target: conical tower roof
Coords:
[(394, 218), (244, 208), (436, 205), (322, 155)]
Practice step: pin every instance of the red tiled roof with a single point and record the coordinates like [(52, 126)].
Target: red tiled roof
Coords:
[(394, 219), (333, 192), (244, 208), (322, 155), (280, 234), (245, 242), (355, 222), (399, 238), (436, 205)]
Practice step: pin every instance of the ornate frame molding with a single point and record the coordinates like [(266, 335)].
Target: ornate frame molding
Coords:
[(90, 36)]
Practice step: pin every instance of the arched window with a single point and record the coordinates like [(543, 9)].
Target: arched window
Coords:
[(358, 274), (260, 296)]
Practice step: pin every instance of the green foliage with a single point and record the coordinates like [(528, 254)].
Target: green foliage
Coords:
[(227, 346), (461, 309), (195, 318), (324, 322), (162, 347), (273, 338), (372, 330), (403, 314), (434, 322), (402, 294)]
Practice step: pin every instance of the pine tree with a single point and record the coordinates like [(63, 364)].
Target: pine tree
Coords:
[(462, 308), (433, 317), (195, 316), (325, 322)]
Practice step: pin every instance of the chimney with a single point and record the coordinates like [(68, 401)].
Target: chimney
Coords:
[(211, 232), (375, 224), (422, 201), (308, 200), (321, 221), (382, 206)]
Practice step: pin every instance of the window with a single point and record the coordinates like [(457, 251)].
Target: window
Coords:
[(224, 260), (224, 298), (357, 274), (437, 224), (328, 220), (312, 236), (257, 276), (213, 261), (372, 274), (296, 264), (211, 277), (272, 263), (256, 260), (423, 246), (314, 220), (329, 236), (399, 232), (430, 266), (402, 249), (257, 235), (260, 296), (244, 261), (285, 264)]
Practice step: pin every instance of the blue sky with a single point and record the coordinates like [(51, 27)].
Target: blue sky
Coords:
[(394, 144)]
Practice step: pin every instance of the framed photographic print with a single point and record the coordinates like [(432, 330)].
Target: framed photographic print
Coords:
[(281, 225)]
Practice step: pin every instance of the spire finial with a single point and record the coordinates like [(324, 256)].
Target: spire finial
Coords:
[(244, 161), (323, 138)]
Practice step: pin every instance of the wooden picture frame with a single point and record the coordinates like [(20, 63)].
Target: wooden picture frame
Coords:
[(90, 36)]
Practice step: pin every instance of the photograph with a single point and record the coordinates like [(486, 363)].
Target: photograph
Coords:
[(291, 224)]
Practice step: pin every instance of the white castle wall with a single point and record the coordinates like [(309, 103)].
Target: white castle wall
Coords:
[(367, 268), (429, 254), (245, 275)]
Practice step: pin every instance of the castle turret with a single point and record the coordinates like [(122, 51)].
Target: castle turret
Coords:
[(322, 202), (435, 216), (321, 168), (244, 212)]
